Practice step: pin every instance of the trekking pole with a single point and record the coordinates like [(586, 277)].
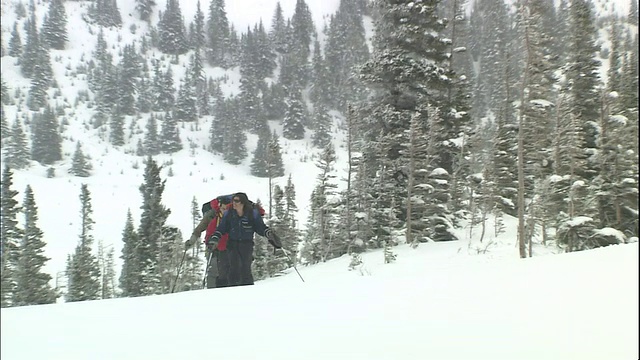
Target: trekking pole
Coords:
[(179, 268), (294, 264), (206, 271)]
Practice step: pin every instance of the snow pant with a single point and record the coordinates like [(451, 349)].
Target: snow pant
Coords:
[(218, 272), (240, 256)]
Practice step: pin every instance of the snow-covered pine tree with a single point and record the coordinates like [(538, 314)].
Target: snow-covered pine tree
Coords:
[(151, 138), (32, 284), (46, 142), (130, 274), (169, 134), (54, 28), (10, 237), (80, 166), (83, 271), (145, 8), (152, 220), (322, 125), (218, 50), (15, 42), (260, 161), (295, 117), (16, 154)]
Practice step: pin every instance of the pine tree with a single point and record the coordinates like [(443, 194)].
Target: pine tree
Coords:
[(274, 159), (10, 237), (320, 92), (130, 275), (186, 109), (17, 151), (129, 73), (46, 142), (197, 37), (31, 49), (236, 150), (152, 220), (218, 51), (219, 127), (584, 78), (303, 29), (260, 162), (322, 125), (295, 118), (169, 136), (116, 125), (42, 75), (151, 139), (54, 29), (4, 126), (172, 38), (32, 284), (15, 43), (163, 89), (105, 13), (145, 9), (83, 271), (80, 166), (277, 35)]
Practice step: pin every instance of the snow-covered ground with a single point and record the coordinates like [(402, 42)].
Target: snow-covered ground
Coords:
[(435, 302)]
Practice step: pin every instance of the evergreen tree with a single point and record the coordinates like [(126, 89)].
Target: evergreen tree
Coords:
[(116, 125), (152, 220), (54, 29), (129, 74), (218, 51), (260, 161), (15, 43), (145, 96), (236, 150), (83, 272), (32, 284), (130, 275), (80, 166), (31, 49), (274, 159), (633, 12), (295, 118), (171, 30), (145, 9), (185, 109), (17, 152), (614, 73), (583, 77), (345, 51), (163, 89), (219, 127), (46, 142), (169, 136), (10, 237), (4, 126), (105, 13), (277, 35), (151, 139), (197, 37), (322, 125), (5, 96), (320, 83), (303, 30)]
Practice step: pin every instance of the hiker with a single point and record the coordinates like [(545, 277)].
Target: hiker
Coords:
[(240, 223), (218, 270)]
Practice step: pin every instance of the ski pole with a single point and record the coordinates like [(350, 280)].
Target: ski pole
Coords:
[(179, 268), (294, 265), (206, 271)]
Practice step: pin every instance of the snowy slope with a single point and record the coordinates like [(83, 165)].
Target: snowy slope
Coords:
[(436, 303)]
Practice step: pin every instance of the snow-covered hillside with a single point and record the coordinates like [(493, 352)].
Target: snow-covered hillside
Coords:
[(438, 302), (117, 173)]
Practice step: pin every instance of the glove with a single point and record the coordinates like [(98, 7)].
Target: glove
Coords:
[(273, 239), (189, 243), (212, 244)]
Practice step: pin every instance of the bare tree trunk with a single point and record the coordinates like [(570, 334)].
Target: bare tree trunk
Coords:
[(350, 122), (410, 182), (521, 121)]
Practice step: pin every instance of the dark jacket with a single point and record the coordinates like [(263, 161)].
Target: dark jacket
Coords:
[(241, 228)]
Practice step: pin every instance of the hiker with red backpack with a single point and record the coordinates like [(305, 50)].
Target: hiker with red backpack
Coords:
[(240, 223), (217, 272), (230, 237)]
